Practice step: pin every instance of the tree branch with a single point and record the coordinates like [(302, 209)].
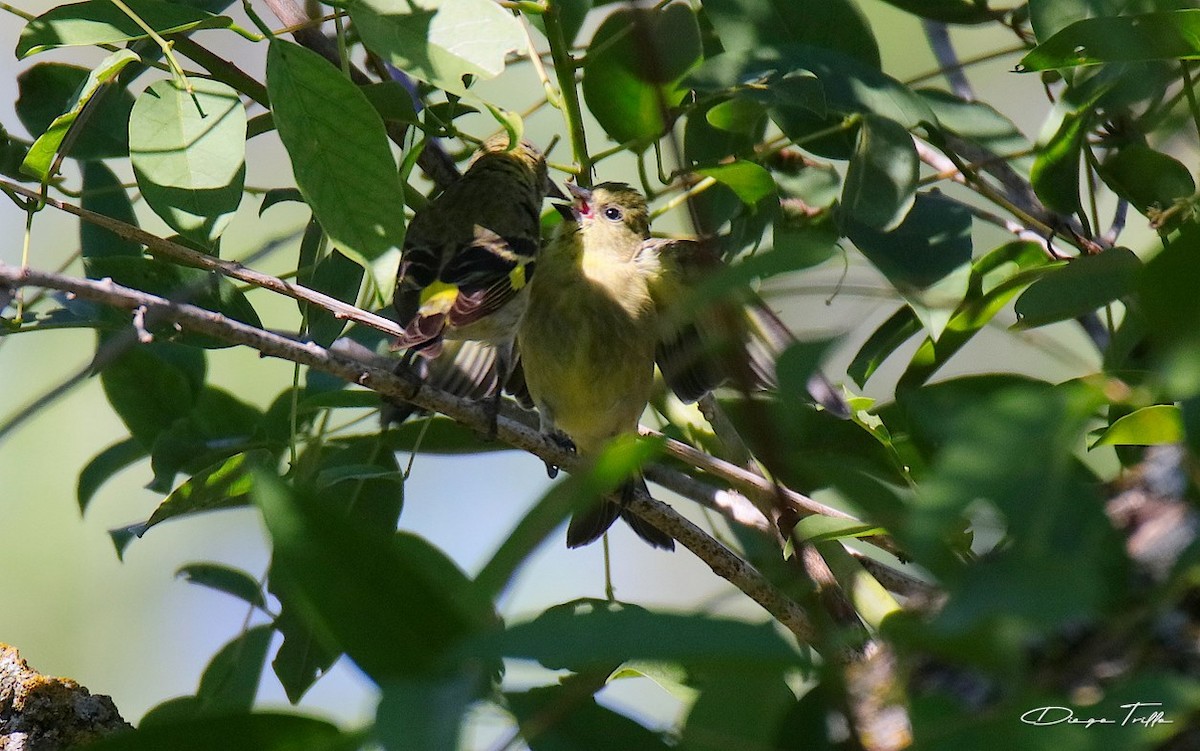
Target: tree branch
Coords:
[(158, 246), (41, 712), (717, 557)]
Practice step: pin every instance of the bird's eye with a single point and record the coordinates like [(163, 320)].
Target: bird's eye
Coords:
[(613, 214)]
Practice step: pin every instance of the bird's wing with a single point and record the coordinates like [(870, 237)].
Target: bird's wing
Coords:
[(476, 279), (708, 335), (699, 338), (488, 273)]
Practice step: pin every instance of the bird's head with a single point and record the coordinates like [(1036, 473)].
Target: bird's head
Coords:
[(523, 154), (609, 212)]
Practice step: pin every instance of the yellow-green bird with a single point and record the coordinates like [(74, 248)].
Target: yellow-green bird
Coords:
[(605, 306), (468, 255)]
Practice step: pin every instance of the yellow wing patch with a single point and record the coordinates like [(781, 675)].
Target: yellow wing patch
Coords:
[(516, 277), (438, 297)]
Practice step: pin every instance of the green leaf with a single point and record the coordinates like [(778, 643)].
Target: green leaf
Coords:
[(376, 598), (103, 466), (375, 490), (632, 75), (1079, 287), (302, 657), (870, 599), (189, 155), (980, 123), (777, 77), (579, 491), (1048, 17), (1167, 291), (12, 153), (749, 181), (1149, 179), (327, 478), (741, 706), (589, 633), (584, 726), (1055, 172), (337, 276), (40, 159), (927, 257), (950, 11), (801, 245), (393, 102), (49, 89), (104, 194), (752, 25), (437, 41), (339, 152), (737, 115), (151, 386), (101, 22), (886, 339), (231, 581), (1171, 35), (263, 731), (1148, 426), (231, 679), (817, 185), (438, 435), (881, 180), (346, 399), (204, 289), (224, 484), (824, 528), (228, 684), (276, 196), (993, 284), (424, 714), (1012, 448), (219, 426)]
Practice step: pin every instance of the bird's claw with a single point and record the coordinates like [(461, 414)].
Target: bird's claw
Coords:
[(564, 442)]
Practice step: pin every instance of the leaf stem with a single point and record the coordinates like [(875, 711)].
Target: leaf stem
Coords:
[(163, 44), (564, 70), (683, 197)]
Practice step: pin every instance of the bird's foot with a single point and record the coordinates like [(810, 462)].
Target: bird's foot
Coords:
[(491, 411), (410, 369), (564, 442), (396, 411)]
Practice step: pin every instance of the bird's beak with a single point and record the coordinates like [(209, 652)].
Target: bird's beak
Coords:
[(581, 203), (582, 195), (555, 192)]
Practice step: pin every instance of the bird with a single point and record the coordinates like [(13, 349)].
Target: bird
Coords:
[(468, 256), (608, 303)]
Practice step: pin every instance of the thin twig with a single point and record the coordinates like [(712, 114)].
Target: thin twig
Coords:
[(758, 489), (174, 251), (943, 50)]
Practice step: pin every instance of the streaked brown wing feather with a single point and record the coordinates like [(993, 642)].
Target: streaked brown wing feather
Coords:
[(704, 343), (735, 338)]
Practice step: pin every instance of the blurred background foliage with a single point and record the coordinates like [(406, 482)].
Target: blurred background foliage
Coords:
[(979, 216)]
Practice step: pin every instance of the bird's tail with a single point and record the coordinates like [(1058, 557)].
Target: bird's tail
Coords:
[(588, 526)]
